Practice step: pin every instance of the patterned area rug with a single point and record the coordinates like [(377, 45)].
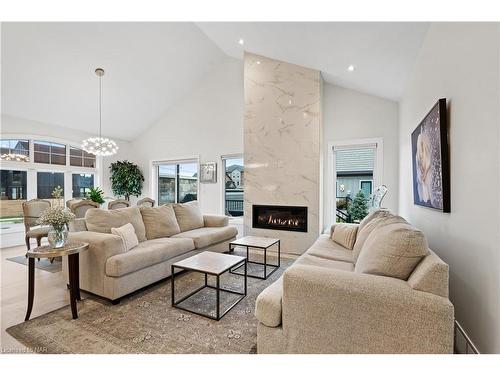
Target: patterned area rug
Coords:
[(147, 323), (42, 264)]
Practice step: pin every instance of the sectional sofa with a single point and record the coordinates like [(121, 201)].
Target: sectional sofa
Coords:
[(165, 234), (384, 291)]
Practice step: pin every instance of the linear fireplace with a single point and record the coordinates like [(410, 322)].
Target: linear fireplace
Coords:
[(291, 218)]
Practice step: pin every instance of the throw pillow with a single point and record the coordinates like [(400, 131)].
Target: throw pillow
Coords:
[(189, 216), (127, 233), (392, 250), (345, 235), (159, 221)]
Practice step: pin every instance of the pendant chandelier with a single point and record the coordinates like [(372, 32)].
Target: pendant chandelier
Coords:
[(98, 145)]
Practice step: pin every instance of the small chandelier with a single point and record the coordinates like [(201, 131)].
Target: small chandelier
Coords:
[(98, 145)]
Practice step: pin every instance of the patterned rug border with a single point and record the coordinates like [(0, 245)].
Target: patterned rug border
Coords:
[(175, 330)]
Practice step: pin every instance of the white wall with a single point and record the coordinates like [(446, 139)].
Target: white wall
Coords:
[(460, 62), (19, 126), (208, 123), (348, 115)]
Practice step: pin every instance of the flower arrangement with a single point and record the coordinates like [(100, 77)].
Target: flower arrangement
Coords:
[(57, 217)]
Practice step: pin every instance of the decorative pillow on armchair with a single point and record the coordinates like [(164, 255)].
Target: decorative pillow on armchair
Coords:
[(344, 234)]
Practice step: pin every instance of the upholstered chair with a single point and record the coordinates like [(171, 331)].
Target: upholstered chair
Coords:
[(118, 203), (146, 202), (81, 207), (32, 210), (71, 202)]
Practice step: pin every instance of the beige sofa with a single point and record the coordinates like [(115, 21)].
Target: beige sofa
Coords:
[(337, 300), (166, 235)]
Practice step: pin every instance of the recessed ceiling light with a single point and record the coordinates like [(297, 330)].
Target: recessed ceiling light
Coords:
[(258, 62), (241, 41), (350, 68)]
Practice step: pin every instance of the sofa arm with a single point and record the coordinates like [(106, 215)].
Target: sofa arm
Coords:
[(333, 311), (215, 220), (77, 225), (93, 261)]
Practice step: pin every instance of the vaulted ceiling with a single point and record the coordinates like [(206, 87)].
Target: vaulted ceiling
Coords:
[(48, 68)]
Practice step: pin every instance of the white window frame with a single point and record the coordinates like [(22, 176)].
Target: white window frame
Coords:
[(32, 168), (378, 170), (153, 167)]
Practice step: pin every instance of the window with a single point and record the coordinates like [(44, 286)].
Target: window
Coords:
[(13, 191), (355, 167), (366, 187), (47, 182), (80, 158), (15, 149), (233, 185), (49, 153), (82, 183), (177, 183)]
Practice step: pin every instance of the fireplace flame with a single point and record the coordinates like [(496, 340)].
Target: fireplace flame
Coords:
[(278, 221)]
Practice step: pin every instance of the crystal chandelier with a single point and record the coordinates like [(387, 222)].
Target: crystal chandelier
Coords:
[(98, 145)]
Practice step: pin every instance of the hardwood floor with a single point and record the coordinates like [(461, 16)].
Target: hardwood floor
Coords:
[(50, 294)]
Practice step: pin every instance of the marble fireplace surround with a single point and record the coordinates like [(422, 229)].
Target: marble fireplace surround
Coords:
[(282, 144)]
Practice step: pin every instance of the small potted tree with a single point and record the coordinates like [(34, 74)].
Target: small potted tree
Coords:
[(126, 179)]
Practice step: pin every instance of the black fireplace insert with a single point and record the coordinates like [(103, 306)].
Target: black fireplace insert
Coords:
[(291, 218)]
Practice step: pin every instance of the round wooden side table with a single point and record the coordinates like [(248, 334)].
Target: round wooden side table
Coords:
[(72, 250)]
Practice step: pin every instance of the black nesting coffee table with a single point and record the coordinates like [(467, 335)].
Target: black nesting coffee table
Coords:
[(260, 243), (215, 264)]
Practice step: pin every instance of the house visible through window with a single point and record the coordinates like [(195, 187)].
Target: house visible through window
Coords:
[(177, 182), (354, 168), (234, 183), (15, 149)]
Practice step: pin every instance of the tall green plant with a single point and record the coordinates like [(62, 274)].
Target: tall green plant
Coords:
[(358, 209), (126, 179)]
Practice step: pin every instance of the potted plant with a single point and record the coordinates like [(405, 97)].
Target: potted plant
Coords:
[(58, 218), (126, 179), (95, 194)]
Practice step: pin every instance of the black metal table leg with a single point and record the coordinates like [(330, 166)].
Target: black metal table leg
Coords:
[(73, 284), (77, 276), (279, 253), (172, 286), (245, 279), (31, 286), (217, 298)]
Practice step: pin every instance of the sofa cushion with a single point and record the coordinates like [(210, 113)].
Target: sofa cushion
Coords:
[(375, 219), (207, 236), (189, 215), (159, 221), (431, 275), (146, 254), (99, 220), (392, 250), (312, 260), (128, 236), (345, 235), (268, 304), (324, 247)]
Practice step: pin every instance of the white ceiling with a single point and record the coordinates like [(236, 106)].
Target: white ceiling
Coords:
[(48, 68), (48, 72), (382, 53)]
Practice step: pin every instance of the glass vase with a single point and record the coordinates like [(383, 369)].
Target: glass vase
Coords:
[(58, 237)]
